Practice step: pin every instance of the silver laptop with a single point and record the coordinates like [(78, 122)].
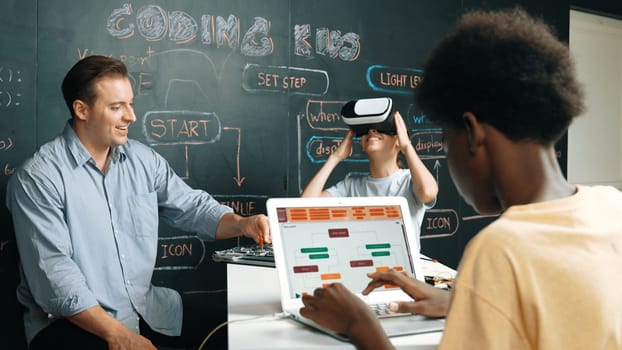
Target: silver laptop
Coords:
[(319, 241)]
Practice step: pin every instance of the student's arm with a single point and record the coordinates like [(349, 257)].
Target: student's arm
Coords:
[(336, 308), (425, 187), (97, 321), (315, 187), (427, 300)]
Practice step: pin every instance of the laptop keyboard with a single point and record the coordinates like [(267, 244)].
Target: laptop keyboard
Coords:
[(382, 310)]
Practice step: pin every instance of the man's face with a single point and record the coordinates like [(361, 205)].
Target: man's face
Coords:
[(108, 118)]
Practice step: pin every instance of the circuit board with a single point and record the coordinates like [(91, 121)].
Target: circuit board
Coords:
[(246, 255)]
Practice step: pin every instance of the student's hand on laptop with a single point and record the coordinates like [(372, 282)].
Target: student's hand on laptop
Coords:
[(336, 308), (428, 300)]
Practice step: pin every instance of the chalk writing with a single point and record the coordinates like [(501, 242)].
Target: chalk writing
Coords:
[(6, 145), (400, 80), (245, 205), (181, 127), (176, 249), (183, 28), (8, 75), (301, 40), (417, 117), (300, 81), (439, 223), (318, 148), (331, 43), (129, 60), (10, 87), (240, 207), (226, 31), (9, 99), (185, 127), (393, 79), (325, 115), (154, 23), (142, 82), (3, 245), (428, 143), (256, 41), (180, 253), (115, 20)]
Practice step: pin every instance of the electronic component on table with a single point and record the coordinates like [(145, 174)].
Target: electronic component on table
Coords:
[(246, 255)]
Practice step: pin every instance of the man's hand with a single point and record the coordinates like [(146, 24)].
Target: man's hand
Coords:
[(128, 340), (428, 301), (257, 228), (118, 337)]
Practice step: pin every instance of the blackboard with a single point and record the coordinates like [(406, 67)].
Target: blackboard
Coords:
[(242, 97)]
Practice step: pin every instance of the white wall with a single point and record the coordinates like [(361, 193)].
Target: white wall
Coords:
[(595, 138)]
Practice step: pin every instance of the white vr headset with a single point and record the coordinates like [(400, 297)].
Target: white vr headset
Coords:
[(369, 113)]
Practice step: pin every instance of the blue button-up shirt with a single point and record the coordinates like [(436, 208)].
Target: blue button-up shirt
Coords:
[(86, 238)]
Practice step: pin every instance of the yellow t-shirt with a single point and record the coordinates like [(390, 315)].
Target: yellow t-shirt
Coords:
[(543, 276)]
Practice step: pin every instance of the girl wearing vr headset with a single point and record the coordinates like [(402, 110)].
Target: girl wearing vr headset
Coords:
[(386, 175)]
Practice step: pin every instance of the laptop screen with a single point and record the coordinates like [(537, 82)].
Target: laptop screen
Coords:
[(323, 245)]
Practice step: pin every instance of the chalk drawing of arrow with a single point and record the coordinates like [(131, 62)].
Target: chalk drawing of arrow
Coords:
[(238, 180), (437, 165)]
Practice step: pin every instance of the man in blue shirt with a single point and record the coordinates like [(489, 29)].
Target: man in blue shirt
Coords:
[(86, 207)]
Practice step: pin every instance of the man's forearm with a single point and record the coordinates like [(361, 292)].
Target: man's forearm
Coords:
[(97, 321)]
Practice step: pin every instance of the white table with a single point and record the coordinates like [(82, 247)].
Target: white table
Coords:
[(254, 304)]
